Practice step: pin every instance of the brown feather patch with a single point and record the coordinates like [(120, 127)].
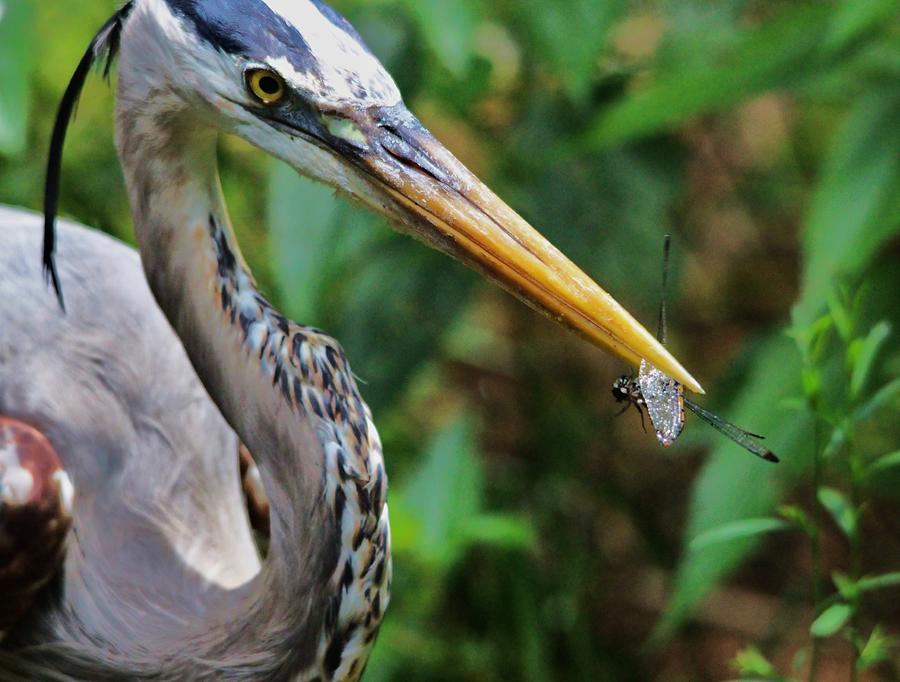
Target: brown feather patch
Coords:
[(33, 530)]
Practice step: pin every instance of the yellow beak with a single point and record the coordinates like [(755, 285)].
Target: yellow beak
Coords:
[(441, 202)]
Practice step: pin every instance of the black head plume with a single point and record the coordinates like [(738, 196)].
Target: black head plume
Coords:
[(104, 44)]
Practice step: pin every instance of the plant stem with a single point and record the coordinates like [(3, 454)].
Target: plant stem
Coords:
[(856, 473), (815, 539)]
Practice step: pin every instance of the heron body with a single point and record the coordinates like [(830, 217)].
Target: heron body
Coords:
[(161, 579), (147, 451)]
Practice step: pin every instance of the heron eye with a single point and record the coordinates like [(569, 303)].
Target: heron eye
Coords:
[(266, 86)]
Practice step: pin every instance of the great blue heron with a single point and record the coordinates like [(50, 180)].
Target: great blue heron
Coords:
[(160, 578)]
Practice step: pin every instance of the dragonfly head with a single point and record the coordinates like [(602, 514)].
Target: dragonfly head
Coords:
[(625, 389)]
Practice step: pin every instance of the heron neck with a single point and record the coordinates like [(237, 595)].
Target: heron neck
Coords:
[(286, 390), (237, 342)]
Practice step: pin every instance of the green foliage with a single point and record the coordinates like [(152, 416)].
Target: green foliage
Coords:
[(765, 136), (745, 528), (862, 355), (752, 664), (840, 509), (574, 61), (756, 61), (16, 63), (449, 29), (854, 207), (440, 504), (437, 518), (831, 620), (733, 487), (876, 649), (888, 461)]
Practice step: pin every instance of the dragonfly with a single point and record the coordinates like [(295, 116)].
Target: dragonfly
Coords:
[(663, 397)]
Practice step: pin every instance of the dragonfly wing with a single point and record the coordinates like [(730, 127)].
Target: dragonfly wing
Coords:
[(665, 402), (743, 438)]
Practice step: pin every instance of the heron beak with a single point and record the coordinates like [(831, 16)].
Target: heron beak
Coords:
[(442, 203)]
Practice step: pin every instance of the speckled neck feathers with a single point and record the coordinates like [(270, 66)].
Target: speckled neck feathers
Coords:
[(288, 392)]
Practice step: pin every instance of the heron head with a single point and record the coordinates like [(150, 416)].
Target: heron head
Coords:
[(295, 79)]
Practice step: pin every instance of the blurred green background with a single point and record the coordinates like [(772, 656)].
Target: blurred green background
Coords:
[(537, 537)]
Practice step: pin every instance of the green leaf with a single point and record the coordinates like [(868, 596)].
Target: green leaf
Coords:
[(750, 661), (841, 314), (852, 214), (848, 587), (798, 662), (840, 509), (879, 582), (303, 223), (876, 649), (796, 516), (406, 523), (882, 398), (17, 51), (736, 530), (448, 28), (553, 28), (781, 52), (811, 378), (865, 355), (445, 494), (885, 462), (390, 303), (831, 620), (501, 530), (852, 18), (812, 339)]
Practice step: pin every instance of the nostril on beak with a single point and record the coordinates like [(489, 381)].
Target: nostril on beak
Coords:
[(411, 157)]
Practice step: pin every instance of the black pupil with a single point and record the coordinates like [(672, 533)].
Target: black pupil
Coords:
[(269, 85)]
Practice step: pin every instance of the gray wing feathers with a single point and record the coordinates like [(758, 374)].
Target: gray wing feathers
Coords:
[(153, 462)]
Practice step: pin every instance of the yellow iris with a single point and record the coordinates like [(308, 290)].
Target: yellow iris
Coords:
[(267, 86)]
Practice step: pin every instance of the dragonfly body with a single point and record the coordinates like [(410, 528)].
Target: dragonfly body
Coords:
[(668, 420), (663, 397)]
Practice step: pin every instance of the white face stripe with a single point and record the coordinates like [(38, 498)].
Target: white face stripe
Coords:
[(346, 67)]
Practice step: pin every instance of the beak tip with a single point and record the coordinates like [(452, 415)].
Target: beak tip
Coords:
[(689, 382), (696, 387), (661, 358)]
